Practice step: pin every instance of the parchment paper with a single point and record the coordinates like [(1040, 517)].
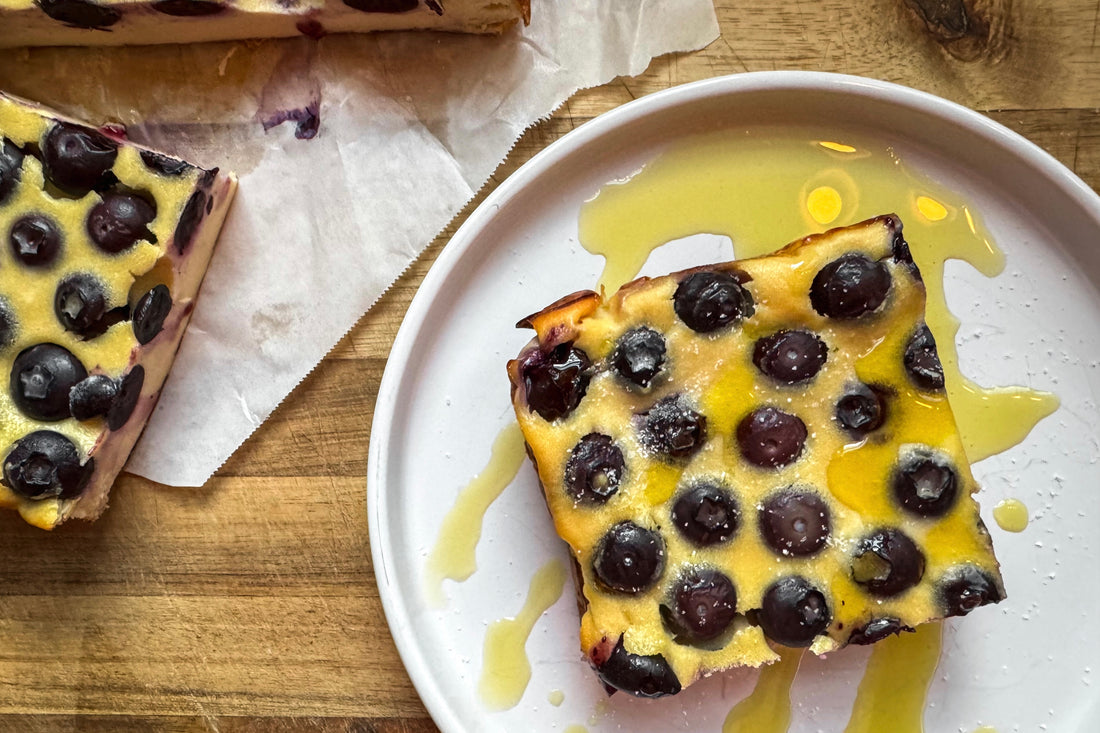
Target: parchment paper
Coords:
[(406, 127)]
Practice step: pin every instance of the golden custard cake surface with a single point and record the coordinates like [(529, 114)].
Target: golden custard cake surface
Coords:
[(753, 454), (103, 246), (133, 22)]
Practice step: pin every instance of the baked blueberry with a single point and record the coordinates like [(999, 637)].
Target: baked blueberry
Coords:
[(641, 675), (80, 305), (556, 381), (80, 13), (11, 168), (164, 164), (965, 588), (7, 325), (188, 8), (709, 300), (706, 514), (639, 355), (77, 159), (877, 630), (383, 6), (45, 464), (922, 361), (629, 558), (849, 287), (795, 522), (861, 410), (119, 221), (771, 438), (790, 357), (887, 562), (671, 428), (35, 240), (594, 469), (703, 604), (197, 205), (41, 377), (899, 248), (150, 312), (925, 484), (793, 612), (92, 396), (129, 390)]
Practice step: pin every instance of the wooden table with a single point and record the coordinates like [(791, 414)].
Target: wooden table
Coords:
[(250, 604)]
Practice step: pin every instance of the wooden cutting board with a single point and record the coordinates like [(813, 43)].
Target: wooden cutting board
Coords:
[(250, 604)]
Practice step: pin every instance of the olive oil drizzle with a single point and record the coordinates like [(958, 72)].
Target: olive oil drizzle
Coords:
[(507, 671), (765, 192), (1011, 515), (892, 694), (767, 709), (454, 555)]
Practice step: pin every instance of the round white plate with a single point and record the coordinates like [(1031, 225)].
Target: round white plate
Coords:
[(1030, 664)]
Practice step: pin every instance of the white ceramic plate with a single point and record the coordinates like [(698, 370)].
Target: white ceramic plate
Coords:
[(1031, 664)]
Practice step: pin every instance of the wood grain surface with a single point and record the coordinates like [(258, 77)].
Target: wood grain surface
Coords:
[(249, 605)]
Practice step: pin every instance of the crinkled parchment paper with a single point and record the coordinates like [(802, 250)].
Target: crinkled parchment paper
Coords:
[(411, 126)]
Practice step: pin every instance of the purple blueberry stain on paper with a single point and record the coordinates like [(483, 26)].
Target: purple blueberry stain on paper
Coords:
[(293, 93), (308, 120)]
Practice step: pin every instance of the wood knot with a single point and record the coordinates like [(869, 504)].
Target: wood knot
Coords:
[(969, 30)]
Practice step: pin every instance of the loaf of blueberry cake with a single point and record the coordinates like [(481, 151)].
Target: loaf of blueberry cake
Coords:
[(104, 246), (134, 22), (753, 454)]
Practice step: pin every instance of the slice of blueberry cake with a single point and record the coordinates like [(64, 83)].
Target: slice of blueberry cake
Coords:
[(753, 454), (103, 246), (137, 22)]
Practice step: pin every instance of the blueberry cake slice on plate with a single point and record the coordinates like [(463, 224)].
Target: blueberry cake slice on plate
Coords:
[(103, 246), (753, 454), (137, 22)]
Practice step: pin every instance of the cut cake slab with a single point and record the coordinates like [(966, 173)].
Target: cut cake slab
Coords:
[(135, 22), (103, 246), (753, 454)]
